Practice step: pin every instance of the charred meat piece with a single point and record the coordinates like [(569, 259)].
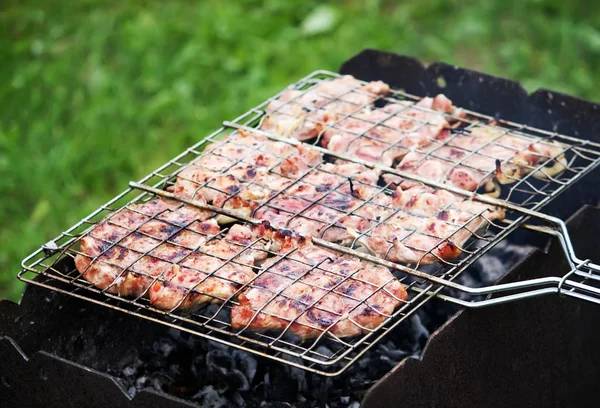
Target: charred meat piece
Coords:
[(314, 292), (127, 250)]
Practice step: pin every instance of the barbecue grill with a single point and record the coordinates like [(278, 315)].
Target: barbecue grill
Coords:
[(52, 265), (541, 116)]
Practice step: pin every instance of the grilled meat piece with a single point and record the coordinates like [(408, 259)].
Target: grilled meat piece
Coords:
[(502, 157), (429, 225), (409, 133), (385, 135), (314, 291), (127, 250), (519, 155), (446, 170), (364, 148), (303, 114), (256, 166), (215, 272)]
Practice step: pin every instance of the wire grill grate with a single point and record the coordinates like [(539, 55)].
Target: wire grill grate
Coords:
[(52, 266)]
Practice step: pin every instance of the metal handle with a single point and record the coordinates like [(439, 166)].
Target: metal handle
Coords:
[(563, 286)]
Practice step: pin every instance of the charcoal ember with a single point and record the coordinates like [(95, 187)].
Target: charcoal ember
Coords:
[(321, 389), (158, 383), (420, 332), (237, 399), (198, 367), (246, 363), (219, 313), (183, 339), (129, 371), (208, 397), (276, 404), (163, 347), (387, 362), (142, 382), (232, 380), (325, 351), (219, 362), (392, 352), (277, 387), (219, 368)]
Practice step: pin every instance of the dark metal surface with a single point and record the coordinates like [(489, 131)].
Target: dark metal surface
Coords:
[(62, 358), (49, 381), (502, 357)]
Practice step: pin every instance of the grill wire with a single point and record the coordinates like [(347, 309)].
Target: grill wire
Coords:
[(52, 265)]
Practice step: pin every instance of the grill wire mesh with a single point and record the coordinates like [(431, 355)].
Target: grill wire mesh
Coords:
[(52, 266)]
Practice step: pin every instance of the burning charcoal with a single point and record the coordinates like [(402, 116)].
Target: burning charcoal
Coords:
[(174, 371), (246, 363), (388, 362), (237, 380), (394, 354), (266, 404), (238, 400), (233, 380), (198, 367), (131, 364), (321, 388), (129, 371), (283, 381), (142, 382), (324, 351), (181, 339), (208, 397), (364, 362), (213, 310), (157, 384), (219, 362), (163, 347)]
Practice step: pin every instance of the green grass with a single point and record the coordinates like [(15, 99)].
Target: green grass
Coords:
[(95, 94)]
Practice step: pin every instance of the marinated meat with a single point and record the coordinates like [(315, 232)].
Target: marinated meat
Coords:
[(125, 252), (441, 166), (316, 292), (303, 114), (429, 225), (215, 272), (404, 134)]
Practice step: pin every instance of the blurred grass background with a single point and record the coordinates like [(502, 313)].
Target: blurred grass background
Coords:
[(96, 93)]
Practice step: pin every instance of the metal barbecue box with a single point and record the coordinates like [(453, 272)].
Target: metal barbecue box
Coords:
[(501, 192)]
